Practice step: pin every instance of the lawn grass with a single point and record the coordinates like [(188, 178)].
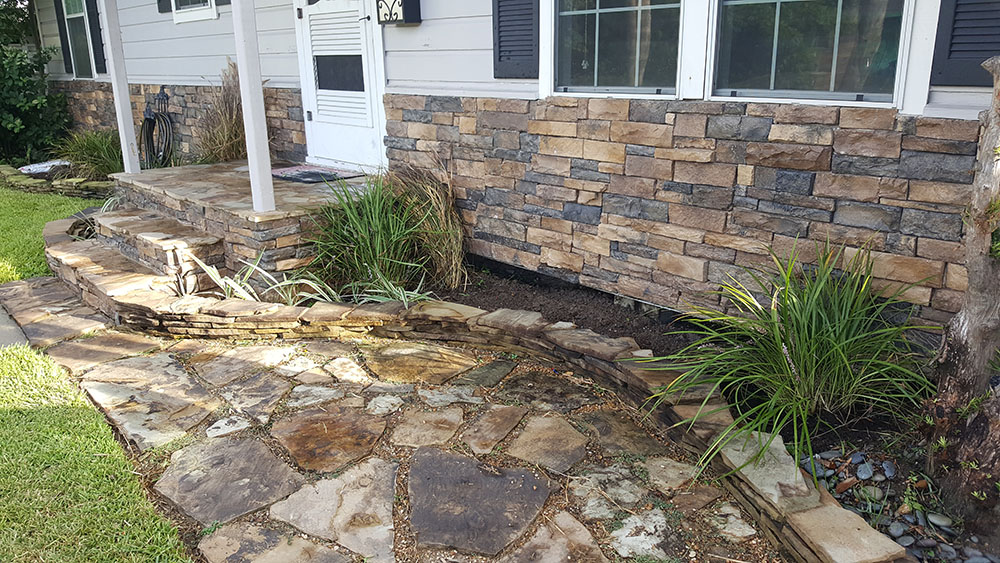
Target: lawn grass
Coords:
[(22, 216), (67, 493)]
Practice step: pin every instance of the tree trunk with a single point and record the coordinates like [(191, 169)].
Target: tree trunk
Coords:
[(966, 433)]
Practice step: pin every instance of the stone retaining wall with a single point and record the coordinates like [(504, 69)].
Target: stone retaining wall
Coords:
[(663, 200), (12, 178), (91, 106)]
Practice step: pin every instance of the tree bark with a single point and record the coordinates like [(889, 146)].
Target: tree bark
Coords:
[(966, 420)]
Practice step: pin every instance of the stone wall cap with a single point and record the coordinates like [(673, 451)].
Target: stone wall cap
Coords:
[(326, 313), (233, 307), (587, 342), (442, 311), (514, 320)]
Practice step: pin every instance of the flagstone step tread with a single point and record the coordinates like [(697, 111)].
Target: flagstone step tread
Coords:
[(160, 242), (48, 311)]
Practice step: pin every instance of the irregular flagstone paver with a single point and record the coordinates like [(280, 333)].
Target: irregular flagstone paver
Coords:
[(51, 330), (227, 426), (347, 370), (10, 331), (150, 399), (249, 543), (384, 404), (605, 491), (390, 388), (545, 392), (258, 396), (419, 428), (456, 504), (309, 395), (326, 439), (775, 476), (224, 478), (295, 366), (80, 355), (618, 433), (237, 362), (550, 442), (695, 498), (826, 527), (412, 362), (488, 375), (314, 376), (667, 474), (329, 348), (492, 427), (728, 520), (448, 395), (354, 509), (560, 540), (641, 535)]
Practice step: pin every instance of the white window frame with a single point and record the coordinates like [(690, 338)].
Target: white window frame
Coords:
[(90, 48), (200, 13), (697, 53)]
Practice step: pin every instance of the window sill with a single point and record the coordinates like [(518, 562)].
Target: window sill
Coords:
[(196, 14), (804, 101)]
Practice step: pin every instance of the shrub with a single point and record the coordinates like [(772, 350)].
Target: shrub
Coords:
[(222, 136), (92, 154), (31, 118), (820, 342)]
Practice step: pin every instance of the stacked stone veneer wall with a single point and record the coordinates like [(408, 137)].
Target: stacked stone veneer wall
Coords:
[(91, 106), (663, 200)]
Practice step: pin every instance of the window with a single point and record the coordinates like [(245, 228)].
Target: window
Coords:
[(78, 37), (617, 45), (819, 49), (194, 10)]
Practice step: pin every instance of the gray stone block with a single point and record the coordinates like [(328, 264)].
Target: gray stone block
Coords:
[(444, 103), (865, 165), (588, 214), (738, 127), (417, 116), (937, 167), (794, 211), (867, 215), (649, 111), (800, 183), (640, 150), (931, 224)]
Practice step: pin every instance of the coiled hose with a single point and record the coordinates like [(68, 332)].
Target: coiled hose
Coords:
[(156, 136)]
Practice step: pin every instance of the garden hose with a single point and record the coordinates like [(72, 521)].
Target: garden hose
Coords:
[(156, 136)]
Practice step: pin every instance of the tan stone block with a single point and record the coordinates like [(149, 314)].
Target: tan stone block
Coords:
[(469, 168), (550, 239), (611, 168), (589, 198), (512, 105), (670, 119), (561, 146), (687, 155), (604, 151), (906, 269), (698, 217), (607, 108), (400, 101), (780, 155), (940, 192), (425, 131), (943, 250), (648, 167), (694, 143), (558, 225), (805, 134), (547, 111), (621, 233), (954, 129), (564, 260), (591, 243), (744, 175), (957, 277), (467, 125), (683, 266), (714, 174), (553, 128), (650, 134), (801, 113), (947, 300), (690, 125), (917, 295), (585, 185), (545, 164), (742, 244), (858, 188), (671, 230), (555, 193), (842, 234), (868, 118), (594, 129), (868, 142), (666, 243), (762, 110)]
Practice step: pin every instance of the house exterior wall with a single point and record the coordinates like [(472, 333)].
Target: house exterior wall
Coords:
[(663, 200)]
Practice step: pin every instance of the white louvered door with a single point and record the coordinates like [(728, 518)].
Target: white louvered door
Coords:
[(341, 82)]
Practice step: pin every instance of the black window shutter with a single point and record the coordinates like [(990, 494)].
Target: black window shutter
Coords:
[(968, 34), (223, 2), (96, 41), (164, 6), (63, 37), (515, 38)]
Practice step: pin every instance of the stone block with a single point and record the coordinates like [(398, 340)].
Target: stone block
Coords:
[(953, 129), (552, 128), (867, 142), (604, 151), (907, 269), (781, 155), (560, 259), (868, 118), (561, 146), (867, 215), (946, 251), (957, 277), (865, 166), (647, 167), (588, 214), (649, 111), (546, 164), (940, 192), (937, 167), (649, 134), (825, 528), (713, 174), (803, 134), (644, 187), (683, 266), (502, 120), (930, 224), (738, 127), (698, 218), (801, 113), (689, 155), (858, 188), (690, 125), (599, 130), (925, 144), (608, 109)]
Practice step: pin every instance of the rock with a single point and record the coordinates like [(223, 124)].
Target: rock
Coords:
[(390, 388), (878, 478), (354, 509), (256, 397), (419, 428), (227, 426), (889, 468), (491, 427), (830, 454), (438, 311), (897, 529), (857, 457), (617, 433), (238, 362), (905, 541), (590, 343), (605, 491), (865, 471), (329, 348), (667, 475), (774, 476), (869, 493), (348, 371), (728, 520), (946, 551), (825, 528), (150, 399), (488, 375), (309, 395), (939, 520), (542, 391), (78, 356), (250, 543), (383, 405), (695, 498), (926, 543), (521, 323), (64, 326), (224, 478), (448, 395), (550, 442), (455, 504), (295, 366), (641, 535), (314, 376), (326, 439), (560, 540), (412, 362)]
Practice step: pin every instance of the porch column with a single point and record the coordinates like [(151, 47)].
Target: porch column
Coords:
[(252, 96), (115, 55)]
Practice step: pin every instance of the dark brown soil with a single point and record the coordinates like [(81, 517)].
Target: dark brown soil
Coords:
[(494, 286)]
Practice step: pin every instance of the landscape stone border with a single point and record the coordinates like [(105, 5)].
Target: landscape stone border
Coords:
[(14, 179), (808, 523)]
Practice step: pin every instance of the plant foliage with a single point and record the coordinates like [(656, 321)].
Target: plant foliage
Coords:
[(221, 135), (802, 343), (31, 118), (92, 154)]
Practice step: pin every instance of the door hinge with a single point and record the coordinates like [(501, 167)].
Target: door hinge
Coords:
[(298, 12), (309, 116)]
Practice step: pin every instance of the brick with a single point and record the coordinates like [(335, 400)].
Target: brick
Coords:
[(762, 110), (648, 167), (947, 300), (552, 128), (913, 294), (946, 251), (698, 217), (502, 120), (634, 207), (953, 129), (803, 134), (607, 108), (469, 168), (649, 134), (663, 229), (591, 243), (545, 164), (867, 142), (649, 111), (800, 113), (561, 146), (905, 269), (767, 224), (692, 143), (779, 155), (867, 215), (683, 266), (423, 131), (711, 174), (868, 118), (858, 188), (467, 125), (665, 243), (688, 155), (940, 192), (957, 277), (690, 125), (633, 186), (546, 110), (559, 259), (555, 193), (558, 225), (399, 101), (620, 233), (604, 151), (587, 214)]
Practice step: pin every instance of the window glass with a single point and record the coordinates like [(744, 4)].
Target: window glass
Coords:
[(617, 45), (79, 45), (187, 4), (840, 49), (73, 7)]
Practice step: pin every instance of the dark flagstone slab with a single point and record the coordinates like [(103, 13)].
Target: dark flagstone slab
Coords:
[(326, 439), (550, 442), (488, 375), (546, 392), (80, 355), (616, 433), (250, 543), (256, 397), (492, 427), (413, 362)]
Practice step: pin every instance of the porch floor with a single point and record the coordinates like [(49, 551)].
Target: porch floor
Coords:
[(225, 187)]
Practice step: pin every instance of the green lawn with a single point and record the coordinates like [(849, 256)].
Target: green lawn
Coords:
[(67, 493), (22, 216)]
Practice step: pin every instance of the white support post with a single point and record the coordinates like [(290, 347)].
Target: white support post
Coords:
[(119, 85), (252, 96)]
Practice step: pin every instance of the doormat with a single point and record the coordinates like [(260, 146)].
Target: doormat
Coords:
[(305, 174)]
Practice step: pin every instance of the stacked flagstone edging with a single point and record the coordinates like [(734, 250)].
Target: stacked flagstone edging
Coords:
[(12, 178), (808, 523)]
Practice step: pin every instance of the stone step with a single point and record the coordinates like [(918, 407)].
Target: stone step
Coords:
[(161, 243), (48, 311), (102, 272)]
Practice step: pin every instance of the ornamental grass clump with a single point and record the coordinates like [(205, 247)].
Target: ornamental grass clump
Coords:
[(92, 154), (804, 346)]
